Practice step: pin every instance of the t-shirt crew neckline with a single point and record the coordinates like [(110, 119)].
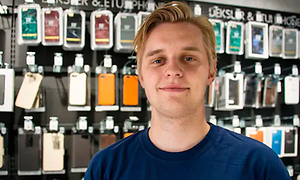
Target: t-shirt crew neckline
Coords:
[(197, 150)]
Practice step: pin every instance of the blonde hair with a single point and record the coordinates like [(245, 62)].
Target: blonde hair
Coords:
[(176, 12)]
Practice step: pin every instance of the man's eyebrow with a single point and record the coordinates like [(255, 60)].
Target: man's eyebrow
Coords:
[(151, 53), (191, 48)]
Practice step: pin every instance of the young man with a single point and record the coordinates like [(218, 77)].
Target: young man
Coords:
[(176, 58)]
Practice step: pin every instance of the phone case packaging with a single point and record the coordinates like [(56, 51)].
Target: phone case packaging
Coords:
[(291, 90), (291, 43), (257, 41), (218, 26), (29, 24), (276, 37), (52, 26), (290, 142), (126, 27), (235, 38), (7, 82), (74, 30), (101, 30)]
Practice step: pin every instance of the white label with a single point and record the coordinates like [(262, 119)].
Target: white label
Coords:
[(277, 121), (90, 129), (74, 2), (30, 60), (197, 10), (82, 124), (128, 4), (277, 69), (296, 120), (98, 70), (29, 1), (279, 86), (79, 61), (107, 62), (237, 67), (116, 129), (58, 61), (258, 68), (53, 125), (295, 70), (114, 68), (38, 130), (235, 122), (50, 1), (259, 17), (237, 130), (109, 124), (28, 125), (259, 122), (278, 19), (213, 121)]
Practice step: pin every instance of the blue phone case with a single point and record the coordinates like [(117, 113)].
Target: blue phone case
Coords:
[(276, 141)]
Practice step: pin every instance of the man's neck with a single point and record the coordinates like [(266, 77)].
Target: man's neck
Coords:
[(177, 134)]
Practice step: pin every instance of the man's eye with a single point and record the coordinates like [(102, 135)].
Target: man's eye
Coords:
[(188, 58), (157, 61)]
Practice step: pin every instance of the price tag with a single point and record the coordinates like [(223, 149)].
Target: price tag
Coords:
[(116, 129), (82, 124), (107, 62), (259, 16), (128, 4), (98, 70), (58, 61), (295, 70), (79, 61), (114, 68), (237, 67), (258, 121), (62, 130), (258, 68), (151, 6), (74, 2), (109, 124), (235, 121), (277, 69), (38, 130), (53, 125), (50, 1), (279, 86), (197, 10), (90, 129), (28, 125), (30, 60), (296, 120), (277, 121)]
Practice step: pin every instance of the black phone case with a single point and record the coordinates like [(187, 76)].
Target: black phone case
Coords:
[(289, 142), (29, 152), (81, 151), (2, 89)]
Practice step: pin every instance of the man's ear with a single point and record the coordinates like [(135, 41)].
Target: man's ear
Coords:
[(212, 74), (141, 79)]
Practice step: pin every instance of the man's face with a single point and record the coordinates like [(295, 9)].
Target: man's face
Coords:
[(175, 69)]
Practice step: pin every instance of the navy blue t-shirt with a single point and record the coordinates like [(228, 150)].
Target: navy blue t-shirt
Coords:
[(221, 155)]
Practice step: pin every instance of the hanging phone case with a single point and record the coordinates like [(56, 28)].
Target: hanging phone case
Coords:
[(107, 140), (291, 90), (2, 89), (77, 91), (276, 141), (81, 147), (235, 38), (251, 85), (53, 152), (276, 41), (290, 44), (289, 141), (1, 151), (106, 89), (52, 26), (233, 92), (101, 30), (130, 90), (29, 90), (270, 92), (218, 26), (258, 135), (29, 152), (29, 24)]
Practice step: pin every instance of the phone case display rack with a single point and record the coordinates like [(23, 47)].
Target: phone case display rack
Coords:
[(97, 120)]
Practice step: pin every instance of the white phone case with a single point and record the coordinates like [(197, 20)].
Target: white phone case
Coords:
[(53, 152), (291, 90), (28, 91), (77, 91)]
